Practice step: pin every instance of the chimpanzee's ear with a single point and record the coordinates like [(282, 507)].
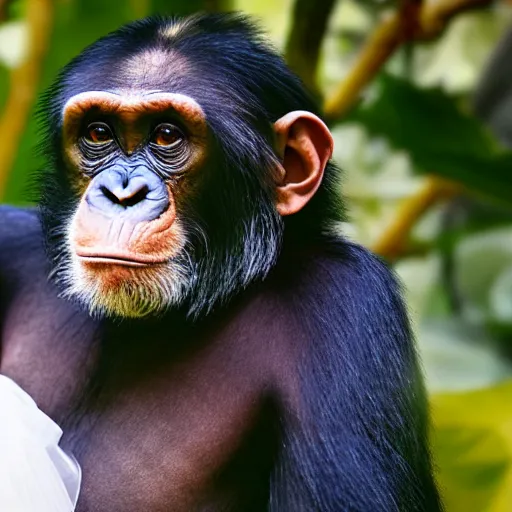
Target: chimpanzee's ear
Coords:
[(305, 145)]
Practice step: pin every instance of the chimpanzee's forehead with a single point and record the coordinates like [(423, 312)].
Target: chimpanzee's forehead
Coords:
[(147, 70), (223, 66), (154, 67)]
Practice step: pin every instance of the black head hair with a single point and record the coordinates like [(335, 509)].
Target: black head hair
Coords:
[(243, 87)]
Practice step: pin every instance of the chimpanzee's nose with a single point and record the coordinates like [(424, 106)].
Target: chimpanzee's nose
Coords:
[(136, 194)]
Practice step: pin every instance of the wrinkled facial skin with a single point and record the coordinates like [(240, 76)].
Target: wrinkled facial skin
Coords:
[(135, 159)]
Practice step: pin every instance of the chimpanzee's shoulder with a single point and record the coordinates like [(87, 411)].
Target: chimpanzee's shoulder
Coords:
[(342, 256), (320, 284), (337, 265)]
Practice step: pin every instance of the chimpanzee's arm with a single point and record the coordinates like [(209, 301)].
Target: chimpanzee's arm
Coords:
[(356, 438), (21, 250)]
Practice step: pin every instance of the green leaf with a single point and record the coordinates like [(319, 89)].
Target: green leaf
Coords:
[(458, 356), (438, 135), (480, 262), (185, 7), (472, 447)]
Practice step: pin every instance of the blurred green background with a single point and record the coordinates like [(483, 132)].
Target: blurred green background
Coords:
[(428, 186)]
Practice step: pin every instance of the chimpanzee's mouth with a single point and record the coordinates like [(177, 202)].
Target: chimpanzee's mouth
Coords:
[(119, 258)]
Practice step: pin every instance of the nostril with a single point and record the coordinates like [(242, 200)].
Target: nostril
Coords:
[(139, 196), (124, 198), (109, 195)]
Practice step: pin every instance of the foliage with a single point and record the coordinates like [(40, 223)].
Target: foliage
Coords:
[(473, 444), (438, 135)]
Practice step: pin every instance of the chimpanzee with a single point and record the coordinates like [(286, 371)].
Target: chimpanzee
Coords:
[(181, 302)]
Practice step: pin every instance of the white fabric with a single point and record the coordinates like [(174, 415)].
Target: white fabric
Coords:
[(35, 473)]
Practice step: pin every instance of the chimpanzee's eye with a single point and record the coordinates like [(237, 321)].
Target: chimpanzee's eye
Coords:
[(98, 133), (167, 135)]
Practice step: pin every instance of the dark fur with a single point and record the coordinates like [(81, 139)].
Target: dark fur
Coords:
[(357, 441), (363, 442)]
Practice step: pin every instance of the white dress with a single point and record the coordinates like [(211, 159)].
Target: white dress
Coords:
[(35, 473)]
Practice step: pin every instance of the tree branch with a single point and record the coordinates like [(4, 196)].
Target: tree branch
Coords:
[(411, 22), (4, 6), (434, 20), (24, 82), (309, 23), (394, 239)]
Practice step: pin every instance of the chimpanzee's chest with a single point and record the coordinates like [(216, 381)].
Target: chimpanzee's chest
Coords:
[(200, 443), (154, 427)]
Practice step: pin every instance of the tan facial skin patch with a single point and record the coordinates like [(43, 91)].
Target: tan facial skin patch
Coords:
[(108, 250)]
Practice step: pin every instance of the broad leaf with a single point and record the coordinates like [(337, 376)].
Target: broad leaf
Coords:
[(472, 446), (438, 135)]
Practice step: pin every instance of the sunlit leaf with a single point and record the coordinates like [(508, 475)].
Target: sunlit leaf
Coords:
[(457, 356), (472, 444), (13, 43), (480, 260), (457, 58), (500, 298)]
